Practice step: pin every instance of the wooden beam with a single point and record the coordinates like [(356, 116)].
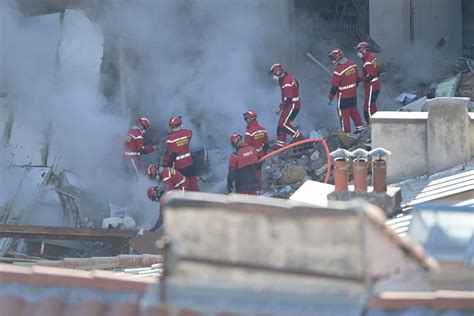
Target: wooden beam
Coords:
[(65, 233)]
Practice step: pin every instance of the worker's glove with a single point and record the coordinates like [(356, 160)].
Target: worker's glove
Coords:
[(155, 147), (278, 111), (330, 98), (229, 188)]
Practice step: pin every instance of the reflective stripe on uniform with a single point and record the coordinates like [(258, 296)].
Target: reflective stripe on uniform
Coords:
[(177, 139), (136, 137), (286, 120), (295, 99), (287, 85), (180, 182), (183, 156), (340, 73), (370, 99), (375, 79), (168, 177), (132, 153), (259, 131), (347, 87), (341, 118)]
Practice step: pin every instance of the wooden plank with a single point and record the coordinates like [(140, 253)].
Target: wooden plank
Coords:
[(65, 233)]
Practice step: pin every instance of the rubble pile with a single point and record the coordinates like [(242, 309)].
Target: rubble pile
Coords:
[(283, 174), (456, 81)]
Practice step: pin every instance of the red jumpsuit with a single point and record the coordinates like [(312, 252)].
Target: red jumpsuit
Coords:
[(243, 170), (135, 146), (179, 156), (257, 137), (344, 83), (289, 106), (173, 180), (371, 80)]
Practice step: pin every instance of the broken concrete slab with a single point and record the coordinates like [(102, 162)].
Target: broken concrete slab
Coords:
[(406, 98), (416, 106), (314, 193), (448, 88), (146, 244)]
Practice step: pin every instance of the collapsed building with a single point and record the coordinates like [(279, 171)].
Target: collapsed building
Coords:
[(229, 255)]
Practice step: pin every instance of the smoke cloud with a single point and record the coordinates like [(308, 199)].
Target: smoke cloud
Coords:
[(204, 60)]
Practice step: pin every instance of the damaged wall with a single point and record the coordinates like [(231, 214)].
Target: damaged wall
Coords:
[(396, 24), (468, 26)]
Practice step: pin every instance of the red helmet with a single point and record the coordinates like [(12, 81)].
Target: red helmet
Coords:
[(250, 114), (234, 139), (276, 69), (175, 121), (336, 54), (362, 46), (152, 171), (144, 122), (152, 193)]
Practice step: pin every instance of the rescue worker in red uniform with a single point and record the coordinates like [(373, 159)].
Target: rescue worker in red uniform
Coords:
[(242, 167), (257, 137), (370, 77), (345, 79), (135, 146), (155, 194), (171, 178), (178, 154), (289, 106)]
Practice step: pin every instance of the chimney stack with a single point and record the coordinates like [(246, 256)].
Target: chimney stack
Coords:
[(360, 161), (341, 169), (379, 169)]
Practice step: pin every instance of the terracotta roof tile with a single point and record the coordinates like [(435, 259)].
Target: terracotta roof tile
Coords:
[(11, 304), (89, 308), (439, 300), (51, 276), (49, 306), (123, 309), (121, 261)]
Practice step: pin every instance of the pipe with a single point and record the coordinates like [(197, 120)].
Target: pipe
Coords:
[(301, 142), (360, 174), (379, 175), (341, 174), (317, 62)]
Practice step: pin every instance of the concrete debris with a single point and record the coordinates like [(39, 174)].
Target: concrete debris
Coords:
[(416, 106), (117, 211), (347, 140), (466, 86), (448, 87), (118, 222), (406, 98), (292, 175)]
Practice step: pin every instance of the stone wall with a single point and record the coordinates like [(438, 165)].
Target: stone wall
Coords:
[(425, 143)]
